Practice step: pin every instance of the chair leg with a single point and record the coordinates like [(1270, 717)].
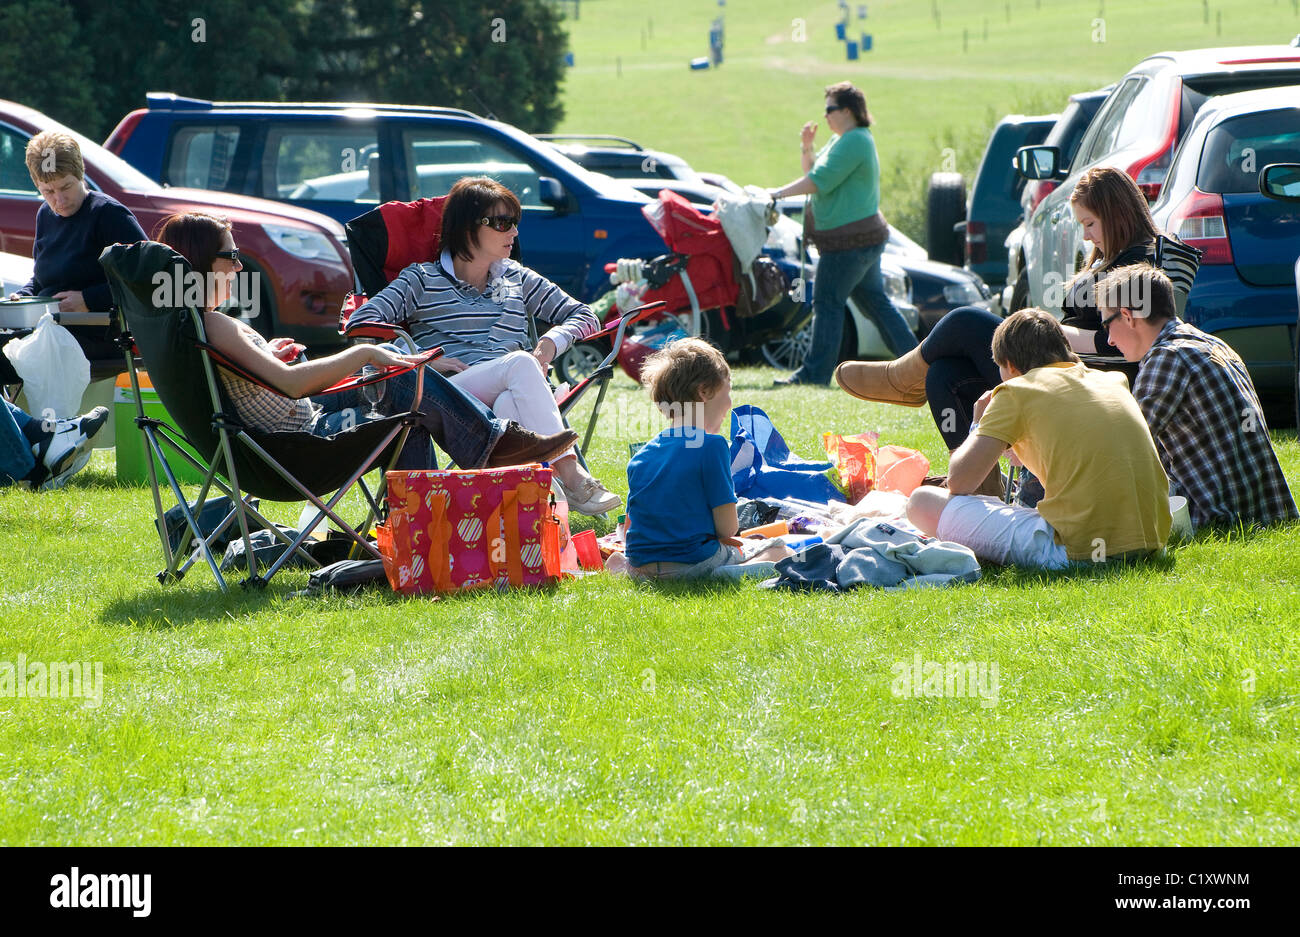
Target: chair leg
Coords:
[(190, 521), (1012, 474), (595, 412)]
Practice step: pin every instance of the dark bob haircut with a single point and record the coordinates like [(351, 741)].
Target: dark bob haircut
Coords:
[(469, 200), (845, 94), (195, 235)]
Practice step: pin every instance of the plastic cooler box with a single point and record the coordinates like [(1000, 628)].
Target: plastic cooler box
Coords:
[(130, 441)]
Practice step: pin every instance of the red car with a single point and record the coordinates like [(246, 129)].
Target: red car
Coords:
[(302, 265)]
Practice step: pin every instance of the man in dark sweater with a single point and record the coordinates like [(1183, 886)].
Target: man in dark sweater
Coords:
[(72, 228)]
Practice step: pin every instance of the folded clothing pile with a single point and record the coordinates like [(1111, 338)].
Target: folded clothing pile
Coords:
[(873, 553)]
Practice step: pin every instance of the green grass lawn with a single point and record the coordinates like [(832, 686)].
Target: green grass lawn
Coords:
[(928, 89), (1154, 704)]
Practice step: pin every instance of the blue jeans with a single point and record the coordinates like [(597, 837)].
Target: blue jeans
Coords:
[(463, 427), (959, 352), (16, 459), (838, 273)]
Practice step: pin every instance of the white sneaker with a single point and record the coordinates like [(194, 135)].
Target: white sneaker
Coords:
[(68, 450), (592, 498)]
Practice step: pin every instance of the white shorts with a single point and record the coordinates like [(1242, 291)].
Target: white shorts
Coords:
[(1001, 533)]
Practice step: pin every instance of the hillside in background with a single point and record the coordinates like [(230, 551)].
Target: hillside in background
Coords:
[(939, 76)]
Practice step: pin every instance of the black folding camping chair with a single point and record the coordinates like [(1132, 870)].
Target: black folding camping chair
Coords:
[(235, 459)]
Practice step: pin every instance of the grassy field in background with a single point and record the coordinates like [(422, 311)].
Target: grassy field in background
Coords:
[(927, 89), (1154, 704)]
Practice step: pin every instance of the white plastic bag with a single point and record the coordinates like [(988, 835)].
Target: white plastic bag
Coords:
[(53, 367)]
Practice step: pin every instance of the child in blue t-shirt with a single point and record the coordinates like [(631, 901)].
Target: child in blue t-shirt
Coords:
[(681, 505)]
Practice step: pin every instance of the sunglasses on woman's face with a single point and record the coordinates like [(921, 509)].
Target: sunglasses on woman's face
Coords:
[(230, 255), (832, 108), (502, 223)]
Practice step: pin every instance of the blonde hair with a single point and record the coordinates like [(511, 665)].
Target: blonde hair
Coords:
[(684, 371), (51, 154)]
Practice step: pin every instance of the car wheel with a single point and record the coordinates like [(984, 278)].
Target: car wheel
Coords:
[(579, 361), (1020, 293), (945, 207), (788, 352)]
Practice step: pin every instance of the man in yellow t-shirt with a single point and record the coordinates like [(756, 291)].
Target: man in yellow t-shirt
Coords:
[(1080, 432)]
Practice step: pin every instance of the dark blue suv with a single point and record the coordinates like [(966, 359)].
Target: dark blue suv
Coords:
[(343, 159)]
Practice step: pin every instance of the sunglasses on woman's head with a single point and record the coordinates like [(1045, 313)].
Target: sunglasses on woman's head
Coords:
[(502, 223), (230, 255)]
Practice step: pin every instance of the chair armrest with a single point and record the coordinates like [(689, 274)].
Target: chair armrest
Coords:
[(356, 380), (383, 332)]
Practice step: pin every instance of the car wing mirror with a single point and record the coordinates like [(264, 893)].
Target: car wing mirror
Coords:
[(1281, 181), (1038, 162), (551, 192)]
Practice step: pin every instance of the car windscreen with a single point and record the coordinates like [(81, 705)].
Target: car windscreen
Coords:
[(1070, 127), (1238, 148)]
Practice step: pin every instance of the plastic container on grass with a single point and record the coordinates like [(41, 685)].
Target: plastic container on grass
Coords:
[(131, 466)]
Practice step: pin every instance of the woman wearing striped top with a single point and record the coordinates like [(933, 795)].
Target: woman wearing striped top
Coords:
[(474, 303)]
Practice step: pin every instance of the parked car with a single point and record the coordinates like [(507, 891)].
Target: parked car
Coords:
[(923, 290), (700, 193), (15, 272), (1281, 181), (971, 231), (620, 157), (1245, 288), (1066, 135), (1137, 130), (861, 339), (934, 288), (344, 159), (302, 265)]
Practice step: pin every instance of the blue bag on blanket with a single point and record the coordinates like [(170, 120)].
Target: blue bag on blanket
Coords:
[(762, 465)]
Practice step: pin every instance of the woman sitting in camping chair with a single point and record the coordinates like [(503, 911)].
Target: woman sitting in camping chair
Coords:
[(474, 303), (466, 430)]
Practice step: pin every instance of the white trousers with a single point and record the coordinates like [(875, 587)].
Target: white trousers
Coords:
[(515, 387)]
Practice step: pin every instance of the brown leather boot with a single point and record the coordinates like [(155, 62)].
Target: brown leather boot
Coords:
[(901, 381), (519, 446)]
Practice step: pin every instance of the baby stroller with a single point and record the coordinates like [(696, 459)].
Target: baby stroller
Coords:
[(704, 288)]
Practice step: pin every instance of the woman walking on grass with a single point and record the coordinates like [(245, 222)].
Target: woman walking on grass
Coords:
[(850, 233)]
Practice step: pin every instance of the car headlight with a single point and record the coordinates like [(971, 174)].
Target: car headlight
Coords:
[(301, 242), (898, 286), (961, 294)]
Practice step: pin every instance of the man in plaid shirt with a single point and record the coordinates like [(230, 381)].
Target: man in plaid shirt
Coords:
[(1199, 402)]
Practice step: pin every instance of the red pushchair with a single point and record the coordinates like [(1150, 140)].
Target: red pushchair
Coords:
[(701, 284)]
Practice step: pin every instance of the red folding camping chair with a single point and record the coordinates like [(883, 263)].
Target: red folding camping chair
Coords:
[(386, 240)]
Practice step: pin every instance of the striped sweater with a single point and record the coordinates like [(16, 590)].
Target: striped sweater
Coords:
[(441, 311)]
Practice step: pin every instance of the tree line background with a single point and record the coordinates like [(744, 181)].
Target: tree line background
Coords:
[(87, 63)]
